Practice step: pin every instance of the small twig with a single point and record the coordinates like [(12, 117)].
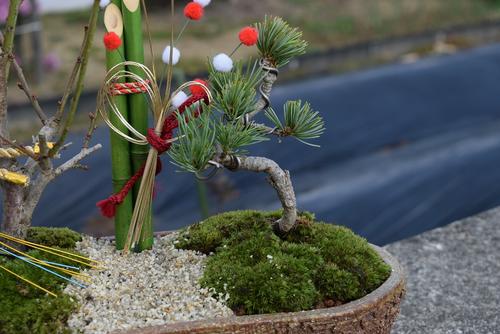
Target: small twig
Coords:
[(18, 147), (10, 29), (44, 160), (24, 86), (82, 167), (91, 129), (65, 146), (80, 81), (71, 80), (76, 159), (271, 131), (7, 45)]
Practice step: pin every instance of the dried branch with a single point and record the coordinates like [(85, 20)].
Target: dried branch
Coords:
[(91, 129), (76, 159), (18, 147), (7, 45), (24, 86), (44, 160), (269, 130), (84, 57), (10, 29)]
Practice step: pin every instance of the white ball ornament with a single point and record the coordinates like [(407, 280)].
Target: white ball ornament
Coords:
[(203, 3), (179, 99), (176, 55), (223, 63), (104, 3)]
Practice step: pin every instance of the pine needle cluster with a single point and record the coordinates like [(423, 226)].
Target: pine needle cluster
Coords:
[(300, 121), (278, 42), (223, 127), (196, 144), (235, 92)]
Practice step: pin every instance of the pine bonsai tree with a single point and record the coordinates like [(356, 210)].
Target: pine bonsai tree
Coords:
[(219, 135)]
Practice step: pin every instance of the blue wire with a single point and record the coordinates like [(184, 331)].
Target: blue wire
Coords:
[(56, 264), (43, 268)]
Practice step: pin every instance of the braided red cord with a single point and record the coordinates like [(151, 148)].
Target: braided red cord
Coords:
[(108, 206), (123, 88)]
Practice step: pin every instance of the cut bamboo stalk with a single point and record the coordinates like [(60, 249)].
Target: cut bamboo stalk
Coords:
[(120, 148), (134, 51)]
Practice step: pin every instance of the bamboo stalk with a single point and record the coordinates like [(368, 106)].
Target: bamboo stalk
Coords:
[(134, 51), (120, 148)]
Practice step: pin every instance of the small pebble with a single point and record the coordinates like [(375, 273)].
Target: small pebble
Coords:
[(151, 288)]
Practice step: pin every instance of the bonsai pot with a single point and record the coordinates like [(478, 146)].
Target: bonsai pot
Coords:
[(374, 313)]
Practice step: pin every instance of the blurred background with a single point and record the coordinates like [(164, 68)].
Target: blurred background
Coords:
[(410, 92)]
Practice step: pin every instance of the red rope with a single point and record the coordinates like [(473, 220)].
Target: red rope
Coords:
[(123, 88), (108, 206)]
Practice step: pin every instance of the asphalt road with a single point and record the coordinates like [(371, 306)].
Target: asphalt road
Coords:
[(408, 148)]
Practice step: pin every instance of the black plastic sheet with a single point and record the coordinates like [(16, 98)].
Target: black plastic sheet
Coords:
[(408, 148)]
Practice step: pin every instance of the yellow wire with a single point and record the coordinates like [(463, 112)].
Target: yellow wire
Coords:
[(28, 281), (66, 271), (53, 251)]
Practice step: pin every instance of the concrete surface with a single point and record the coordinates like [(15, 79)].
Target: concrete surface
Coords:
[(453, 278)]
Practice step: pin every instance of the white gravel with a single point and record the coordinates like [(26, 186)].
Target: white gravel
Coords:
[(138, 290)]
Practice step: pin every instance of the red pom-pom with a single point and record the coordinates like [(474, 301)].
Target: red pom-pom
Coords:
[(249, 36), (193, 11), (198, 90), (112, 41)]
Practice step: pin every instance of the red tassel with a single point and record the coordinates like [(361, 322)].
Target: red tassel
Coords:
[(108, 206)]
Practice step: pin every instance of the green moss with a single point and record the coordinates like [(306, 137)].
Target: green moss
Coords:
[(25, 309), (206, 236), (263, 273), (54, 237)]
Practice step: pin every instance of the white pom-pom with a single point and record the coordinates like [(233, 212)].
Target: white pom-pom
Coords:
[(203, 3), (104, 3), (223, 63), (179, 99), (176, 55)]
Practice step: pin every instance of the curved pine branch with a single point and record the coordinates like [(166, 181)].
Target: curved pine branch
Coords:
[(277, 177)]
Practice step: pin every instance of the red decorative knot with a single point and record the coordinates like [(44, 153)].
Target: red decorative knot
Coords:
[(193, 11), (111, 41), (196, 89), (249, 36), (161, 144), (123, 88)]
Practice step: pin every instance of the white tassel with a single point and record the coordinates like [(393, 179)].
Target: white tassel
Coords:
[(203, 3), (223, 63), (176, 55), (179, 99)]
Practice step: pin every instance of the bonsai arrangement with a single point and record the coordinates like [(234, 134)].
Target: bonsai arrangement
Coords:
[(236, 263)]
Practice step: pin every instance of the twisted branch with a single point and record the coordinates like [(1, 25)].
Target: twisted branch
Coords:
[(265, 88), (277, 177)]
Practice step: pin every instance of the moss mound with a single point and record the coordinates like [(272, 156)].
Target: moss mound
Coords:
[(25, 309), (54, 237), (315, 265)]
